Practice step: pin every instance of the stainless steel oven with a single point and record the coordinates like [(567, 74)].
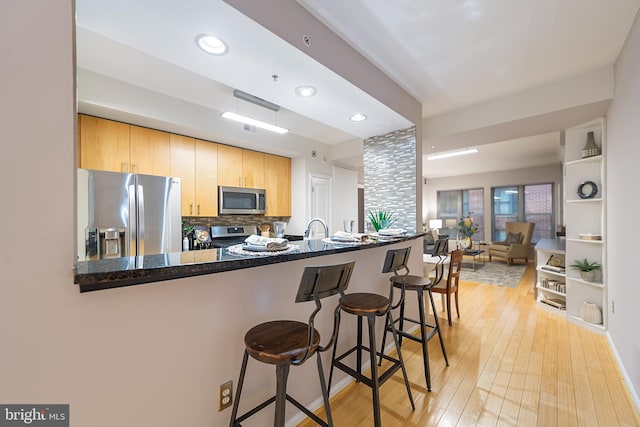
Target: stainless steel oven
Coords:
[(238, 200)]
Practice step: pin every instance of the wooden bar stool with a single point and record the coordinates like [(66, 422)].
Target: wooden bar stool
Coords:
[(420, 284), (287, 342), (371, 306)]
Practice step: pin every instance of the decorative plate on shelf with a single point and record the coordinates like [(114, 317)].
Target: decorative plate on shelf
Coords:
[(587, 190)]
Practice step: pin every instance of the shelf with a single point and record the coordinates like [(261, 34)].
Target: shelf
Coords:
[(595, 199), (542, 270), (551, 309), (551, 291), (591, 242), (599, 329), (592, 159), (598, 285)]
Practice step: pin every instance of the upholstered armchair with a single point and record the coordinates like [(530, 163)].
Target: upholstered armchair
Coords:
[(516, 245)]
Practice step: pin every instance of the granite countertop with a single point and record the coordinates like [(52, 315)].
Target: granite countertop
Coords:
[(118, 272)]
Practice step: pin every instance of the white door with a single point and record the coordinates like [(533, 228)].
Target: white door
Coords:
[(320, 204)]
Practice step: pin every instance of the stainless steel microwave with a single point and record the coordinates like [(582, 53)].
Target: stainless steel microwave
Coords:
[(238, 200)]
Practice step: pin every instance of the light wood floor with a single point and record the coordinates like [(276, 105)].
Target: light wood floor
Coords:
[(511, 364)]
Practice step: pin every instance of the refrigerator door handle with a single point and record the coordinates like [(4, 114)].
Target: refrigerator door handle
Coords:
[(140, 215), (133, 225)]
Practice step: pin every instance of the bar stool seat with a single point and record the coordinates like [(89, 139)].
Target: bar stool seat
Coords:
[(364, 303), (284, 343), (280, 341), (370, 306)]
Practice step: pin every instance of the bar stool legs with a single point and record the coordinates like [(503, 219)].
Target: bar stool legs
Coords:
[(376, 379)]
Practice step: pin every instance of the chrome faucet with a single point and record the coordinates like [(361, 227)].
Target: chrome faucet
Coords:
[(308, 229)]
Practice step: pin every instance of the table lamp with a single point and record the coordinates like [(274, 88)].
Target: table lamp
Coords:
[(435, 224)]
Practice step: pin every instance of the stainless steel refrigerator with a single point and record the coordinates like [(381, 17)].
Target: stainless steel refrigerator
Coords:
[(123, 214)]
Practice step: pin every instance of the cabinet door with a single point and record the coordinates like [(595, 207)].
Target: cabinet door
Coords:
[(183, 164), (277, 175), (206, 178), (103, 144), (150, 151), (229, 166), (252, 169)]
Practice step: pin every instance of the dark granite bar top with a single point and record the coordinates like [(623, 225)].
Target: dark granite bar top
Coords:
[(118, 272)]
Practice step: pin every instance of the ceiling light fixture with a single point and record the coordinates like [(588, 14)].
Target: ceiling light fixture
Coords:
[(255, 100), (211, 44), (358, 117), (306, 91), (253, 122), (452, 154)]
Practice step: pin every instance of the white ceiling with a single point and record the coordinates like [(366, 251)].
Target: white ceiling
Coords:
[(447, 54)]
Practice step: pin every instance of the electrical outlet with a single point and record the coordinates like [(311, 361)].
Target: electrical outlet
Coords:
[(225, 395)]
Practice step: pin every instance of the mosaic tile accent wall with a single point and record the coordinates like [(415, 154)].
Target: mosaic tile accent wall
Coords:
[(390, 176)]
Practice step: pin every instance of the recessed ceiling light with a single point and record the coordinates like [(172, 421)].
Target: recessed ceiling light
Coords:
[(306, 91), (358, 117), (211, 44)]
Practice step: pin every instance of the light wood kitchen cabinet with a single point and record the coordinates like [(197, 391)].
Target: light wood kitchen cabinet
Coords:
[(240, 168), (277, 175), (150, 151), (103, 144), (195, 163), (206, 178), (119, 147)]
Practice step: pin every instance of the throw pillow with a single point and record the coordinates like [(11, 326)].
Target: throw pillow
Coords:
[(513, 238)]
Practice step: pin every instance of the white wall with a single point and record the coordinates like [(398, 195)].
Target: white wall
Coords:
[(345, 197), (538, 175), (623, 175)]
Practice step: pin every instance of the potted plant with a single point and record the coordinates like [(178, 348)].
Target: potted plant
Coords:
[(381, 219), (587, 269), (187, 231)]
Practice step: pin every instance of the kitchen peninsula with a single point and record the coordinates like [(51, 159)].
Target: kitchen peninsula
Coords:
[(127, 271)]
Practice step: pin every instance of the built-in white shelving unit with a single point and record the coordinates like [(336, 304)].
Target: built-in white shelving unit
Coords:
[(584, 219), (551, 291)]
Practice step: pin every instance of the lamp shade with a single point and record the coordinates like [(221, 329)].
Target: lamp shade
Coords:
[(435, 223)]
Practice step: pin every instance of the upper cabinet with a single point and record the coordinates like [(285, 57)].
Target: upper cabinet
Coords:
[(277, 176), (118, 147), (150, 151), (103, 144), (195, 163), (240, 168)]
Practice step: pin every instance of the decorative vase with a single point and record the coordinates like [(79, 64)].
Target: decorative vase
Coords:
[(589, 276), (464, 242), (590, 148), (591, 313)]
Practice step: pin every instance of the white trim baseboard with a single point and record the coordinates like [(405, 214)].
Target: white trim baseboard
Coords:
[(627, 379)]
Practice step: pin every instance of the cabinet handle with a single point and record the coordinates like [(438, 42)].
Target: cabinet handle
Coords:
[(239, 181), (191, 209), (198, 209), (124, 167), (134, 167)]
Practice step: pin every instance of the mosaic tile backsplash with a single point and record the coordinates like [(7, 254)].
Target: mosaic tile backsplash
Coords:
[(390, 176)]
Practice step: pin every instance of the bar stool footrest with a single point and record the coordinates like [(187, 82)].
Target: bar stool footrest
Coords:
[(432, 332), (382, 377), (269, 401)]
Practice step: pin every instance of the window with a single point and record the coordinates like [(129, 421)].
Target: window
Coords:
[(454, 204), (524, 203)]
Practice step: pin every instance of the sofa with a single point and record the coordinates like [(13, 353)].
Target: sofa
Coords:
[(517, 243)]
